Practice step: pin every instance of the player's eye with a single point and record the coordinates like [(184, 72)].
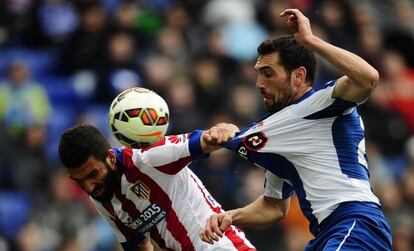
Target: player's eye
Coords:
[(92, 174), (267, 73)]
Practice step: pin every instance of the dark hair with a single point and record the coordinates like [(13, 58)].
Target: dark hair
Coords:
[(292, 55), (81, 141)]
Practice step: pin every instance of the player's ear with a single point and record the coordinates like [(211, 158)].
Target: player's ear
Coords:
[(298, 76), (110, 156)]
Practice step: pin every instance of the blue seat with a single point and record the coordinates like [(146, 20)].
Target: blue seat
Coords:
[(97, 115), (15, 209), (59, 89), (62, 117), (40, 62)]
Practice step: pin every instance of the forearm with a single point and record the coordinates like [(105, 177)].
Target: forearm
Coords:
[(263, 211), (353, 66)]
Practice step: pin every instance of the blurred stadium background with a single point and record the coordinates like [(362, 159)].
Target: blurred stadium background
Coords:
[(62, 62)]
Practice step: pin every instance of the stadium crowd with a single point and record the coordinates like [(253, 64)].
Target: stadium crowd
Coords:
[(62, 62)]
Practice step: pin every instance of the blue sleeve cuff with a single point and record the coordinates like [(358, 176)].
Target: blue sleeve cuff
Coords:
[(194, 145)]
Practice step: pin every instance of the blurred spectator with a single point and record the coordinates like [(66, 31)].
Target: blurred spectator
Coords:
[(159, 69), (398, 86), (58, 19), (209, 85), (184, 114), (23, 102), (199, 56), (18, 23), (120, 69), (245, 104), (84, 48)]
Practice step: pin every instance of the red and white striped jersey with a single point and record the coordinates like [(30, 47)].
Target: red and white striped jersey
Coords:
[(162, 199)]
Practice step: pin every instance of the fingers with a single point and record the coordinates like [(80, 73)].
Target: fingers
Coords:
[(217, 136), (291, 12), (226, 221), (211, 232)]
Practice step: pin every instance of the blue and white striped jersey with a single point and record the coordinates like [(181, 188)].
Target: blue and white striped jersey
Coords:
[(315, 147)]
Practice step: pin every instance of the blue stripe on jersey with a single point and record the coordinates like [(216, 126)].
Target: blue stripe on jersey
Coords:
[(347, 134), (283, 168), (305, 96), (287, 190), (329, 83), (333, 110)]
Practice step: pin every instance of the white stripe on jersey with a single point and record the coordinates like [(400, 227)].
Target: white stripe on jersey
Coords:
[(173, 183)]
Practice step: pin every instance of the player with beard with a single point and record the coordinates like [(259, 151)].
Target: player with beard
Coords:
[(312, 142), (149, 193)]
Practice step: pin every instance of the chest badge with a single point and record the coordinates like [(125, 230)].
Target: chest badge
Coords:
[(141, 190)]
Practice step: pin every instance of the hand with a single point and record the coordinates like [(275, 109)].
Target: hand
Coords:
[(145, 245), (218, 135), (299, 25), (215, 227)]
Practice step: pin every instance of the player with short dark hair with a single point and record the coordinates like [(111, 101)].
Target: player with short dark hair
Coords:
[(149, 193), (312, 142)]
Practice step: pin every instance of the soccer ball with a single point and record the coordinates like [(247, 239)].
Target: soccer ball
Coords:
[(138, 117)]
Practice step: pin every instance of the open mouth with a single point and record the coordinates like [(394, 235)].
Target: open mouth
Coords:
[(97, 192)]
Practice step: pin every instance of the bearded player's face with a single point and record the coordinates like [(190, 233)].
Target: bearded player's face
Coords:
[(98, 179), (273, 82)]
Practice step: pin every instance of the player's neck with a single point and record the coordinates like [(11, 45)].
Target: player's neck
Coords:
[(302, 92)]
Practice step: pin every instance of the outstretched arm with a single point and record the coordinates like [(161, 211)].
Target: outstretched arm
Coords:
[(360, 77), (263, 211), (216, 136)]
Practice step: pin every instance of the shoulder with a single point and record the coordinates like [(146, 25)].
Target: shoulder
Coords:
[(321, 104)]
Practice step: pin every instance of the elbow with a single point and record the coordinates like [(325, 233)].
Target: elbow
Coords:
[(283, 213), (280, 213), (372, 80)]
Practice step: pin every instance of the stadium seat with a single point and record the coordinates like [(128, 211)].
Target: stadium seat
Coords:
[(14, 212), (62, 117), (59, 89), (40, 62)]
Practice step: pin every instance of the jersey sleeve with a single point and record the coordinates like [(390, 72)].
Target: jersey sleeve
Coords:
[(127, 237), (275, 187), (172, 153), (322, 105)]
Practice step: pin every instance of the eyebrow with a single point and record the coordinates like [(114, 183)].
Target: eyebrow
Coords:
[(91, 173), (262, 68)]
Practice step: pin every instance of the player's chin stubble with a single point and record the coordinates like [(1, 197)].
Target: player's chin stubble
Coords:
[(110, 184)]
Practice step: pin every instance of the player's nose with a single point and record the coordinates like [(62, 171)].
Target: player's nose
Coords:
[(259, 83), (88, 187)]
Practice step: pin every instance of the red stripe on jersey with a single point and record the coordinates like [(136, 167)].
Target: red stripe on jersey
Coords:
[(128, 233), (215, 209), (155, 235), (157, 195), (237, 241), (127, 205), (174, 167), (159, 143)]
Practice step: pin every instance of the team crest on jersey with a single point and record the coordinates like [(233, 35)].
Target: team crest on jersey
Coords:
[(255, 141), (141, 190)]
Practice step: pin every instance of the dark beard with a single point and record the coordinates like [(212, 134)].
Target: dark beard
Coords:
[(110, 184), (289, 98)]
